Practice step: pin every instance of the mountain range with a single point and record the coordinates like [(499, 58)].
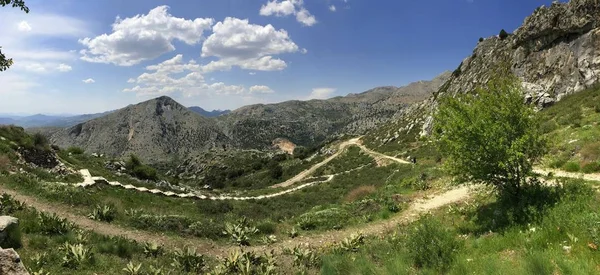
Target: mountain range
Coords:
[(160, 130)]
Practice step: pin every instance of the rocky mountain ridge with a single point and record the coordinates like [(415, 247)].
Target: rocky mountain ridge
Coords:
[(555, 52), (161, 130)]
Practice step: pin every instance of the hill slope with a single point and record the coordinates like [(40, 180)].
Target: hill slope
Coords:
[(157, 130)]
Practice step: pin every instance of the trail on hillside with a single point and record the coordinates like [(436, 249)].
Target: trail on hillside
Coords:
[(209, 247)]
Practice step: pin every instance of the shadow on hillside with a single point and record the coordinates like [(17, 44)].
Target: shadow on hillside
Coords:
[(529, 207)]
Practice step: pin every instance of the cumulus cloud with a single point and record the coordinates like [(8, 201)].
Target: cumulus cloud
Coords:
[(332, 8), (236, 42), (64, 68), (162, 79), (286, 8), (261, 89), (143, 37), (88, 81), (321, 93)]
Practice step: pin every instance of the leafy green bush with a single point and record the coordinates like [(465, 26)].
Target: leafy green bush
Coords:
[(105, 213), (40, 141), (592, 167), (571, 166), (76, 255), (240, 232), (8, 205), (51, 224), (145, 172), (118, 246), (548, 126), (188, 260), (266, 227), (323, 219), (430, 245), (206, 229)]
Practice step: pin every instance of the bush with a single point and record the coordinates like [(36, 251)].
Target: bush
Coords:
[(51, 224), (571, 166), (480, 39), (145, 172), (76, 255), (266, 227), (548, 126), (188, 260), (503, 34), (118, 246), (206, 229), (276, 171), (40, 141), (104, 213), (591, 167), (75, 150), (325, 219), (430, 245)]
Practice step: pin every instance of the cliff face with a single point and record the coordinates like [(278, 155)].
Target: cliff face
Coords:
[(555, 52)]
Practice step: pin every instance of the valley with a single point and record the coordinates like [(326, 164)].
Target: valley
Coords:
[(493, 168)]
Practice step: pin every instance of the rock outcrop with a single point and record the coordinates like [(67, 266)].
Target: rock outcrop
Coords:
[(10, 236), (555, 52), (10, 263)]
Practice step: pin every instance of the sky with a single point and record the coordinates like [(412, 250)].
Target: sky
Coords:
[(80, 57)]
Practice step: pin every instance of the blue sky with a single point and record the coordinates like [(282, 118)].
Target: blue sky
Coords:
[(76, 56)]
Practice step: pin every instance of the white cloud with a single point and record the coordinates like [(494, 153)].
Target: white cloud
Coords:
[(252, 73), (88, 81), (332, 8), (286, 8), (24, 26), (143, 37), (236, 42), (321, 93), (261, 89), (64, 68)]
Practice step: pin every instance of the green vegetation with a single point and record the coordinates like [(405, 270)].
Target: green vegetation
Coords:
[(503, 34), (560, 238), (490, 137), (137, 169)]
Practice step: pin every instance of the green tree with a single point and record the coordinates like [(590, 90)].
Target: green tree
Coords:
[(490, 136), (5, 63)]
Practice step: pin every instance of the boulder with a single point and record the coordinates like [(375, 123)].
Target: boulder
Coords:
[(10, 262), (10, 235)]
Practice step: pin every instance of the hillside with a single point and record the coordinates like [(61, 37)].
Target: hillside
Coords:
[(206, 113), (311, 122), (173, 131), (555, 52), (158, 130)]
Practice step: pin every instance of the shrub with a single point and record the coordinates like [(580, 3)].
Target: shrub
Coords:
[(480, 39), (548, 126), (326, 219), (245, 262), (40, 141), (8, 205), (51, 224), (75, 150), (132, 269), (430, 245), (590, 151), (276, 171), (352, 243), (206, 229), (76, 255), (266, 227), (571, 166), (145, 172), (240, 233), (305, 257), (188, 260), (118, 246), (591, 167), (104, 213), (152, 249), (503, 34)]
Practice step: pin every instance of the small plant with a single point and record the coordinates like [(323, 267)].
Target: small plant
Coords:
[(76, 255), (152, 249), (104, 213), (8, 205), (305, 257), (480, 39), (40, 272), (353, 243), (188, 260), (591, 167), (246, 263), (132, 269), (271, 239), (293, 233), (40, 259), (240, 233), (51, 224), (152, 270)]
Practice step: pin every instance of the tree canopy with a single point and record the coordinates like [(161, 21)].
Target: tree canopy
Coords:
[(490, 136), (5, 62)]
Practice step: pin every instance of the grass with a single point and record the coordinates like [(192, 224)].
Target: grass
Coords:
[(559, 240)]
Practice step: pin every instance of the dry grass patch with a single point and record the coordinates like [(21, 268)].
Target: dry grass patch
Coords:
[(4, 163), (590, 152), (360, 192)]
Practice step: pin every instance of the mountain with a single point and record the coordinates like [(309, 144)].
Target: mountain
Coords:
[(40, 120), (311, 122), (158, 130), (206, 113), (161, 129), (555, 52)]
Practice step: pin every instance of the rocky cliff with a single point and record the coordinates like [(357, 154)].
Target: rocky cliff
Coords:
[(555, 52)]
